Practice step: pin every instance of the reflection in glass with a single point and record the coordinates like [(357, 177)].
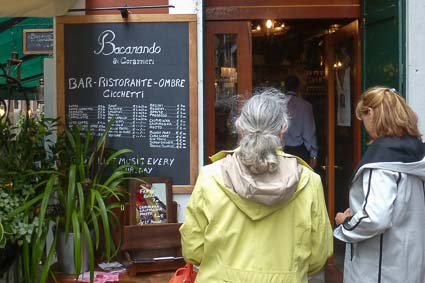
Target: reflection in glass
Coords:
[(226, 85)]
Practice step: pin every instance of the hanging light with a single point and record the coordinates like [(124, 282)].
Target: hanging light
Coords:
[(269, 27), (338, 65), (269, 24)]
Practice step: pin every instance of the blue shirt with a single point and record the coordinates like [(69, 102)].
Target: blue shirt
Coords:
[(302, 128)]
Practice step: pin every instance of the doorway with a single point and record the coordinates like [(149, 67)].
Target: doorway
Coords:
[(342, 52), (324, 55)]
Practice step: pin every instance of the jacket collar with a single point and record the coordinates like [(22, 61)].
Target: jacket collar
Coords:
[(252, 208)]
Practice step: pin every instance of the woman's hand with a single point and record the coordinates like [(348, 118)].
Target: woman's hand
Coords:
[(341, 216)]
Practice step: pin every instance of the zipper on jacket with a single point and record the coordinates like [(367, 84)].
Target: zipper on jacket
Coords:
[(352, 251), (380, 257), (423, 186)]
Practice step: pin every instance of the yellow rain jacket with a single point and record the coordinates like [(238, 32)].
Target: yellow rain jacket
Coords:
[(256, 228)]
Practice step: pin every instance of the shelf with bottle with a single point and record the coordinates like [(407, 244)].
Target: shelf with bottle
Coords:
[(315, 82)]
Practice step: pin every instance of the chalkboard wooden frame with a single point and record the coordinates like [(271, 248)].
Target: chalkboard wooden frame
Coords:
[(29, 50), (62, 21)]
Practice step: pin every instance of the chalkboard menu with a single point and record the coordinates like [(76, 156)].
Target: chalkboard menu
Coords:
[(138, 73), (37, 41)]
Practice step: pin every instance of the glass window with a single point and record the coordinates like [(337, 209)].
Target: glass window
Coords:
[(226, 87)]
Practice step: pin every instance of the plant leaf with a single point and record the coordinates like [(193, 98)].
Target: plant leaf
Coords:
[(81, 204), (24, 207), (71, 139), (102, 139), (70, 197), (116, 154), (77, 242), (105, 222), (95, 227), (118, 173), (88, 241), (45, 202), (26, 259), (46, 266)]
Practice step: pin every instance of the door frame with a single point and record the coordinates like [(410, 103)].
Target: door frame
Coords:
[(220, 26), (287, 9), (350, 31), (223, 15), (244, 70)]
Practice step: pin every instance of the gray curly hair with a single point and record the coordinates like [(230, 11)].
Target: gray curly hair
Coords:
[(263, 117)]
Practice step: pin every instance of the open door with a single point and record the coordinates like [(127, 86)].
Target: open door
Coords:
[(342, 51), (228, 61)]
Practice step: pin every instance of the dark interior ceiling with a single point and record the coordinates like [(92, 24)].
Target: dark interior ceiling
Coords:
[(299, 36)]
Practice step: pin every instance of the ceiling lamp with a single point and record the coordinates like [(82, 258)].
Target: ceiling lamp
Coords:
[(333, 28), (269, 24), (272, 27)]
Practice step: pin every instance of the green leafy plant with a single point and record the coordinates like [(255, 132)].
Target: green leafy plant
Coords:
[(88, 189), (25, 167), (74, 182)]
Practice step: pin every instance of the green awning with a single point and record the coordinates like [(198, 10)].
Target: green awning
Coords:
[(11, 40)]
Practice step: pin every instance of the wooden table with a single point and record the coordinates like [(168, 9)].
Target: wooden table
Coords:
[(153, 277)]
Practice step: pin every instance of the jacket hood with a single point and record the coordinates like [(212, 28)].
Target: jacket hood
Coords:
[(402, 154), (260, 195)]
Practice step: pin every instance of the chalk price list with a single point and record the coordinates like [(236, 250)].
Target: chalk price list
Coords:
[(92, 116), (167, 126), (130, 121), (164, 126)]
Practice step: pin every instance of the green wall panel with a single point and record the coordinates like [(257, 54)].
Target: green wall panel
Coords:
[(383, 41), (11, 32)]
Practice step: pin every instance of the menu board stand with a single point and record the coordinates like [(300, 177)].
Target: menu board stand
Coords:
[(143, 72)]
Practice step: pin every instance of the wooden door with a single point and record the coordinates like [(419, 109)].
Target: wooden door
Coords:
[(228, 60), (342, 51), (383, 38)]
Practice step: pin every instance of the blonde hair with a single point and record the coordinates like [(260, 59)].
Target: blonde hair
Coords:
[(392, 116)]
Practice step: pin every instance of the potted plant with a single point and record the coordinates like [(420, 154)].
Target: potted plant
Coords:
[(88, 186), (77, 173), (25, 167)]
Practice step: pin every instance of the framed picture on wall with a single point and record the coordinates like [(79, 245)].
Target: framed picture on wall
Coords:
[(151, 201)]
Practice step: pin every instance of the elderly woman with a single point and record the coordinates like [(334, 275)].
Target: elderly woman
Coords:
[(257, 214), (384, 226)]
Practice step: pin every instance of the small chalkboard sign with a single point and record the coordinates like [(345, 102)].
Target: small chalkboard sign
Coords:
[(37, 41)]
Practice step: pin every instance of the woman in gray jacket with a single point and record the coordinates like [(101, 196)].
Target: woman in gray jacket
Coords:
[(384, 228)]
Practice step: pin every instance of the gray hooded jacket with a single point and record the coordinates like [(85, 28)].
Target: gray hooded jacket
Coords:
[(386, 234)]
